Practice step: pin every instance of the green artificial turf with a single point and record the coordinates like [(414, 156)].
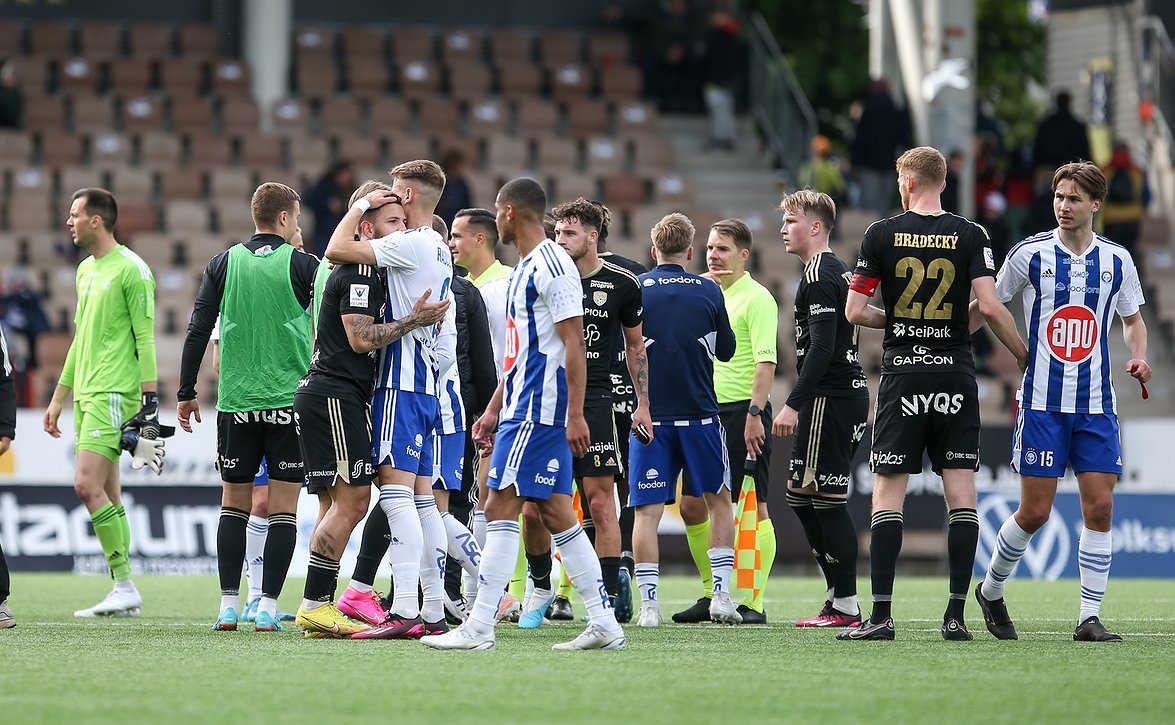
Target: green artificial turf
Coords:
[(168, 667)]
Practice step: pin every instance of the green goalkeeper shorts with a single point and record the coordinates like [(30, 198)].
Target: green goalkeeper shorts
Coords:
[(98, 419)]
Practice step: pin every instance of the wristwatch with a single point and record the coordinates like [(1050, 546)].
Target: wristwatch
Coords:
[(754, 410)]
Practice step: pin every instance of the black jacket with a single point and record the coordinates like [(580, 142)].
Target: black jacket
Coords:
[(475, 354), (8, 392)]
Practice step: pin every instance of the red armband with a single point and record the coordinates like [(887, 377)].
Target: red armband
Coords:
[(865, 285)]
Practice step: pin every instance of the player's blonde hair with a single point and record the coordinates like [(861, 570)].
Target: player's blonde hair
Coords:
[(813, 203), (1086, 175), (364, 189), (425, 173), (925, 164), (673, 234)]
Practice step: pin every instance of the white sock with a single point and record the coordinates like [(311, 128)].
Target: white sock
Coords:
[(498, 557), (462, 545), (721, 564), (230, 600), (361, 587), (268, 605), (830, 594), (479, 528), (583, 569), (125, 585), (469, 582), (648, 577), (255, 532), (1094, 552), (310, 605), (848, 605), (1010, 544), (404, 552), (432, 558)]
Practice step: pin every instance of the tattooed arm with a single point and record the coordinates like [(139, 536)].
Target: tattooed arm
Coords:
[(365, 334), (638, 368)]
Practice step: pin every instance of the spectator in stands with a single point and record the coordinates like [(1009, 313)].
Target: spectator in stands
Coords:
[(1061, 137), (822, 172), (722, 65), (991, 216), (327, 198), (883, 134), (667, 38), (457, 194), (1126, 198), (950, 193), (1018, 188), (24, 314), (11, 98)]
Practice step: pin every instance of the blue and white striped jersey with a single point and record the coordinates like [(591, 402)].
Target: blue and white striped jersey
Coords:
[(1067, 304), (452, 407), (544, 289), (416, 260)]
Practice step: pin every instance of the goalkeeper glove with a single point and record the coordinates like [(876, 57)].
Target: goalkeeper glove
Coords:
[(144, 451), (146, 421)]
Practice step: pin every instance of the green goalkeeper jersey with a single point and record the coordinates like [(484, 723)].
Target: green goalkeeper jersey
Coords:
[(113, 349)]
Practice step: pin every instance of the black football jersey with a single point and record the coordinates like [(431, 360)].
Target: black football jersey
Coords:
[(336, 370), (623, 394), (925, 263), (826, 342), (611, 300)]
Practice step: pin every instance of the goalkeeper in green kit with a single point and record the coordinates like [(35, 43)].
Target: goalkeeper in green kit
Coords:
[(111, 370)]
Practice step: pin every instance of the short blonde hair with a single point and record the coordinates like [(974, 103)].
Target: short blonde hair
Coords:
[(814, 203), (424, 172), (364, 189), (925, 164), (673, 234)]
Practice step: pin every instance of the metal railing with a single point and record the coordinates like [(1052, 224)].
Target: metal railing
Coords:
[(778, 104)]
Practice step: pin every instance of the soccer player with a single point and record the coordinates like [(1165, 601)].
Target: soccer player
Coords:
[(828, 407), (686, 326), (743, 385), (926, 263), (262, 290), (110, 366), (406, 409), (540, 402), (1071, 280), (7, 434), (332, 405), (612, 304)]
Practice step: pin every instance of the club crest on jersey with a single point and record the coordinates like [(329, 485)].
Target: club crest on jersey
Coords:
[(1072, 333), (599, 298)]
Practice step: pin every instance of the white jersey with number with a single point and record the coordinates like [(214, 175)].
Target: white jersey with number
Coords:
[(416, 260), (544, 289), (1068, 303)]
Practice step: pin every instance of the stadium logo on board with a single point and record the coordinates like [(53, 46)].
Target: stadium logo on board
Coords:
[(1047, 554), (1072, 333)]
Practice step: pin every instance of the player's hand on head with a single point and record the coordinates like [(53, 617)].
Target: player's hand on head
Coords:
[(379, 197), (785, 423), (1139, 369)]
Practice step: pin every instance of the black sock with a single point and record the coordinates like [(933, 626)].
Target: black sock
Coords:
[(322, 575), (802, 506), (884, 547), (840, 543), (962, 538), (373, 544), (627, 518), (5, 582), (540, 569), (279, 550), (230, 547), (610, 568)]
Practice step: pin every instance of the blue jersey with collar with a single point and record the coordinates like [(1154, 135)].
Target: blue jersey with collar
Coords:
[(685, 328)]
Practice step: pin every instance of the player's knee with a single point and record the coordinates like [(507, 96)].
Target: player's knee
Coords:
[(602, 509), (531, 517), (1098, 514), (87, 492), (1032, 518)]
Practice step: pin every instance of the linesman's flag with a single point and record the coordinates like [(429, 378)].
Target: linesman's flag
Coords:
[(748, 573)]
